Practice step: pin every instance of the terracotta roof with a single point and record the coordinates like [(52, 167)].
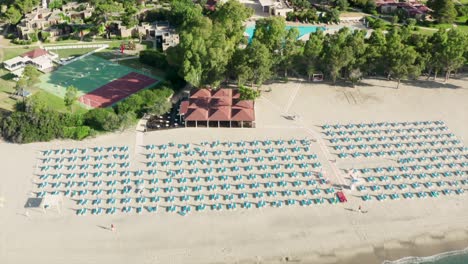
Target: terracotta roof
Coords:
[(199, 102), (249, 104), (194, 114), (235, 94), (242, 114), (207, 105), (197, 93), (222, 113), (183, 107), (222, 93), (221, 101), (35, 53)]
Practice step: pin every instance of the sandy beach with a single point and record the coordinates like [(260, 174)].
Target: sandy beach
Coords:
[(320, 233)]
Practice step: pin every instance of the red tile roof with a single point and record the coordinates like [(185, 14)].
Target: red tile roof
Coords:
[(222, 113), (221, 101), (197, 93), (184, 107), (222, 93), (194, 114), (35, 53), (242, 114), (219, 105), (243, 104)]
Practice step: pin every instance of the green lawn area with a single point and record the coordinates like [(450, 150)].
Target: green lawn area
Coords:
[(110, 54), (65, 53), (425, 31), (56, 102), (460, 26), (6, 88), (9, 53)]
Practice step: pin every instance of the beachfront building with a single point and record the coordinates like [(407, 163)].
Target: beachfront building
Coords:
[(276, 7), (217, 108), (39, 58)]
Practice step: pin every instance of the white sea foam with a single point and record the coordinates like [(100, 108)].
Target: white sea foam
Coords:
[(416, 260)]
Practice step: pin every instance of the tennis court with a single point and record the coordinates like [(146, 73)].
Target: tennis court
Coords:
[(91, 73), (117, 90)]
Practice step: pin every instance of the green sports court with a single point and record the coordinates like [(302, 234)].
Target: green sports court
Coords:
[(86, 74)]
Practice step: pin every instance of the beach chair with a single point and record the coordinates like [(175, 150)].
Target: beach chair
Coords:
[(366, 197)]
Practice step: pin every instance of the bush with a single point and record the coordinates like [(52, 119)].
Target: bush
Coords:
[(21, 41), (153, 58), (130, 104), (248, 94), (72, 120), (77, 133), (103, 119)]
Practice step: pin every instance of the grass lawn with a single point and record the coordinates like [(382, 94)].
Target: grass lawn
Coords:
[(56, 102), (6, 88), (65, 53), (136, 64), (109, 54), (460, 26), (425, 31), (9, 53)]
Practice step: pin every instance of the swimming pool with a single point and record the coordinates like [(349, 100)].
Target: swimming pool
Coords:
[(303, 30)]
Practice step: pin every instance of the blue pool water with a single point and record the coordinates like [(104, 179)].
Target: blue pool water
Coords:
[(303, 30)]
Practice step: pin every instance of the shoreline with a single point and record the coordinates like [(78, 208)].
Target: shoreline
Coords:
[(425, 247)]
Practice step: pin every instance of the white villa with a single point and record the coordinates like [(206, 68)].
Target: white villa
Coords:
[(39, 58)]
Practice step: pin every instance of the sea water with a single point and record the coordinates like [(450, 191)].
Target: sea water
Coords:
[(452, 257), (303, 30)]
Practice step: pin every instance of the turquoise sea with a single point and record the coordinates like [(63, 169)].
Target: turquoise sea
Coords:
[(303, 30), (453, 257)]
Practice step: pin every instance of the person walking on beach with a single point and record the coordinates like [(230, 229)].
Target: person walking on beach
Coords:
[(112, 227), (359, 209)]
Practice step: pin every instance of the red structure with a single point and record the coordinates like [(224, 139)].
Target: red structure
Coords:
[(117, 90), (217, 108)]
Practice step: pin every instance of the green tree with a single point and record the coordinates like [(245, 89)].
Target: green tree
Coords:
[(291, 49), (343, 5), (271, 32), (449, 49), (31, 74), (103, 119), (20, 86), (400, 58), (444, 10), (254, 64), (13, 15), (334, 15), (313, 51), (248, 94), (55, 4), (159, 107), (374, 52), (71, 95), (127, 120), (337, 54), (26, 6), (355, 76)]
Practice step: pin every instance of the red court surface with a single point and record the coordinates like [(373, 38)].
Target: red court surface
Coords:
[(117, 90)]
